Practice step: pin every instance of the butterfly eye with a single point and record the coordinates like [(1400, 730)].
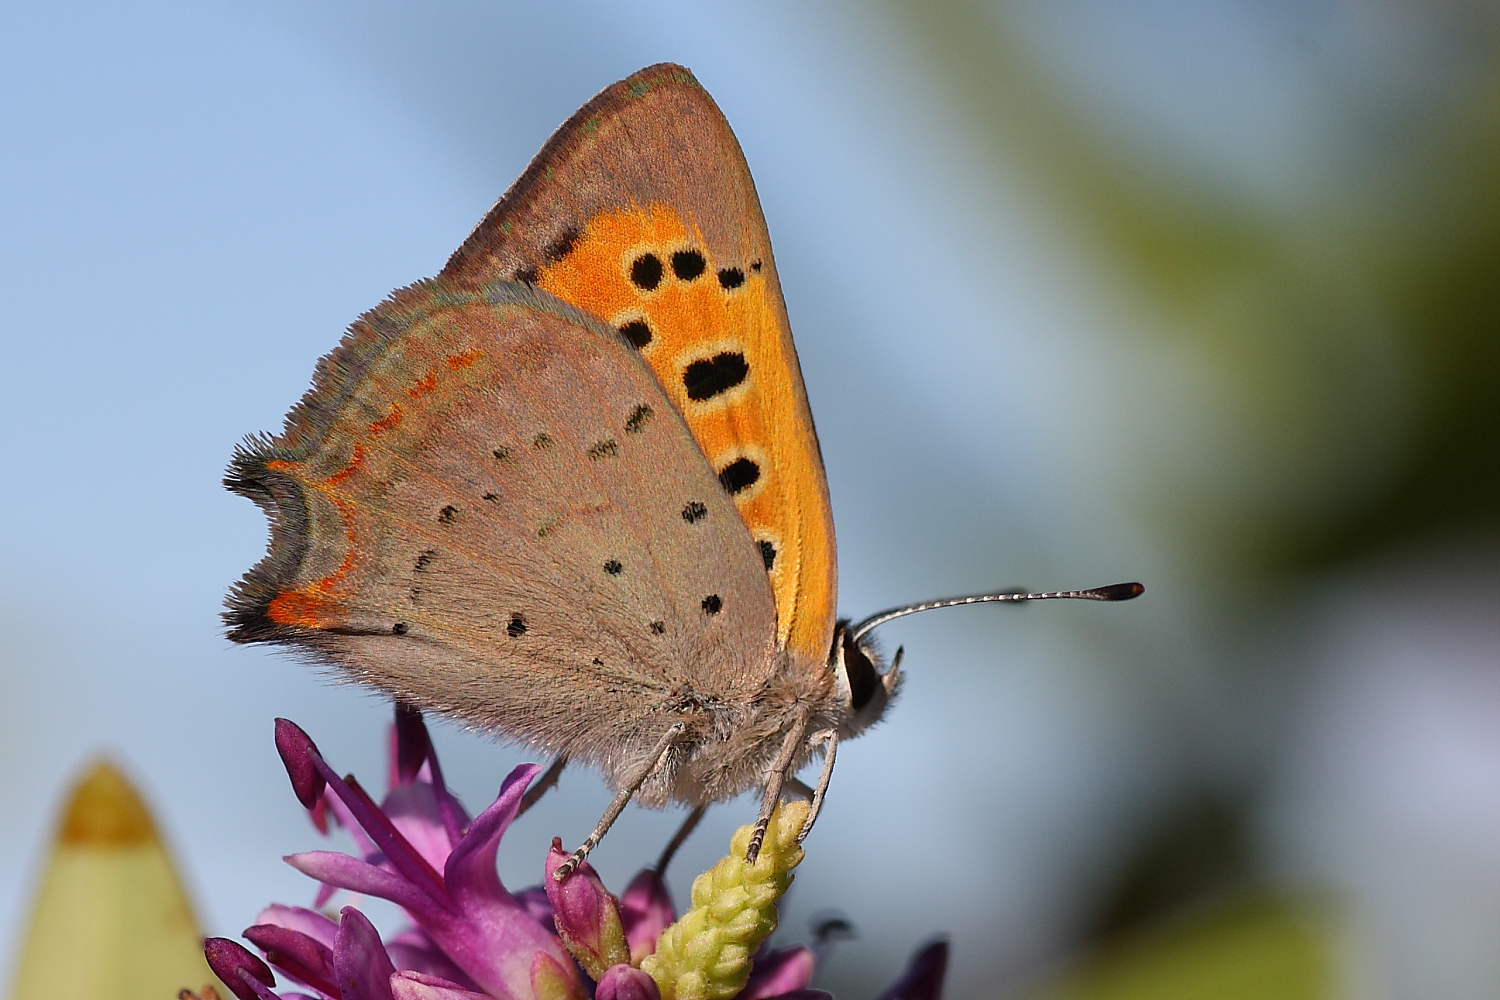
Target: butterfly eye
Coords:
[(869, 690), (864, 679)]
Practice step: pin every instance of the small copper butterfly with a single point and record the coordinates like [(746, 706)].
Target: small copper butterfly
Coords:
[(569, 489)]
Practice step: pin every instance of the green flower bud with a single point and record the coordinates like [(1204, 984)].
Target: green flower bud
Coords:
[(706, 954)]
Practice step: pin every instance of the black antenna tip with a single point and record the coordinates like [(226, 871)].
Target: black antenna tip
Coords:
[(1118, 592)]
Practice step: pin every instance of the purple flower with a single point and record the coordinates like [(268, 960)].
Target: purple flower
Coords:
[(625, 982), (646, 908), (586, 915), (469, 938)]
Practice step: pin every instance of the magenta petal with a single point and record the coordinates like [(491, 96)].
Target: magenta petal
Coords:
[(237, 967), (318, 926), (344, 872), (310, 772), (319, 815), (415, 760), (407, 985), (646, 908), (414, 811), (403, 857), (624, 982), (470, 870), (779, 972), (487, 932), (306, 767), (923, 978), (299, 754), (413, 745), (298, 956), (538, 905), (364, 969), (413, 950)]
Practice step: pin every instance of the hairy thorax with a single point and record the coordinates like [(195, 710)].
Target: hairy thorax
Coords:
[(729, 743)]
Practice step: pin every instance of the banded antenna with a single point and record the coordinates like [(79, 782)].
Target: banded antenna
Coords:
[(1113, 592)]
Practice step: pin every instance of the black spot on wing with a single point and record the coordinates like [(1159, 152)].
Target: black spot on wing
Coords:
[(712, 604), (688, 264), (739, 475), (694, 512), (608, 448), (708, 377), (768, 554), (658, 628), (637, 332), (646, 272), (424, 559), (638, 417), (527, 275), (399, 628), (613, 567), (447, 514), (731, 277), (517, 626)]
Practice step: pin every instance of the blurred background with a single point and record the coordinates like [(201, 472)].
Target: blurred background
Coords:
[(1199, 294)]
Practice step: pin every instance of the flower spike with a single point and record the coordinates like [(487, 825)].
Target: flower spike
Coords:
[(707, 954)]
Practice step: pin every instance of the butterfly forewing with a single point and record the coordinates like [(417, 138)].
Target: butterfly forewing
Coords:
[(641, 211), (487, 506)]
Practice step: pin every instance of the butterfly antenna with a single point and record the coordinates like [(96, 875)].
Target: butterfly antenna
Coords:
[(1114, 592)]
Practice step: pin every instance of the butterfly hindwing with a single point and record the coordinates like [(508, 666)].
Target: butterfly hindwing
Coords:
[(641, 211), (487, 505)]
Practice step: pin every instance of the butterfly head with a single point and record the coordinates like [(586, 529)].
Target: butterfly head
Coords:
[(865, 690)]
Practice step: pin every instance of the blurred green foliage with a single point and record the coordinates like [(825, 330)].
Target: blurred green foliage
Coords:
[(1248, 949)]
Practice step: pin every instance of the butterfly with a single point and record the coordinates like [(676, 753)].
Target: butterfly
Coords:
[(569, 490)]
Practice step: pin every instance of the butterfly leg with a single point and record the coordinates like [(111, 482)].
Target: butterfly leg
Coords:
[(774, 781), (621, 800), (830, 737), (547, 783), (688, 826)]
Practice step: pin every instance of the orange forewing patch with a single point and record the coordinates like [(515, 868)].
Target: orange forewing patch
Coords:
[(697, 318)]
